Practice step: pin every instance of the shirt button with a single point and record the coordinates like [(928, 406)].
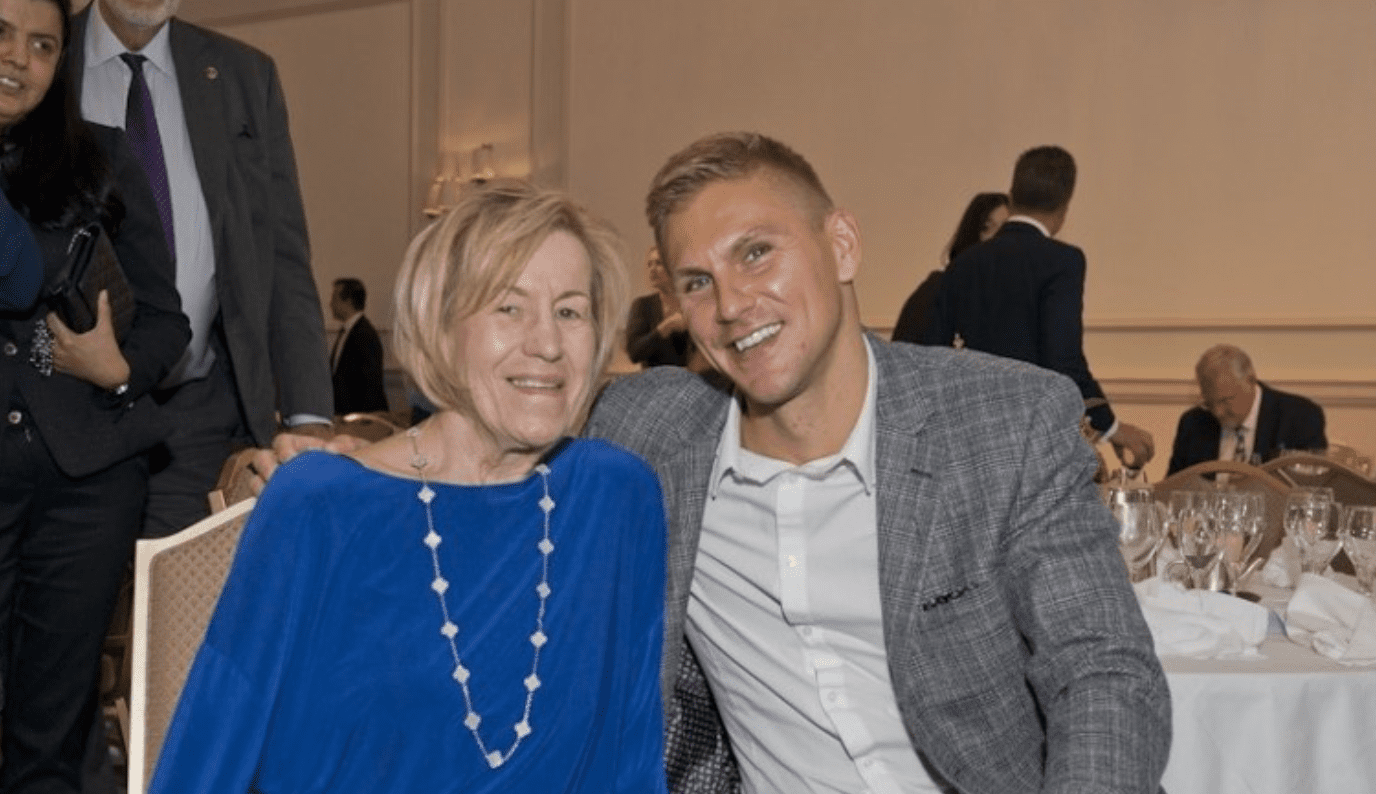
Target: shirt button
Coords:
[(807, 631), (11, 348), (15, 417)]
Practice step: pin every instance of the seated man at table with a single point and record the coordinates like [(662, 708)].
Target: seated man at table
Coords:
[(1241, 418)]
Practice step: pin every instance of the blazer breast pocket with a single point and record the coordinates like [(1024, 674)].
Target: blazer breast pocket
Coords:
[(964, 644)]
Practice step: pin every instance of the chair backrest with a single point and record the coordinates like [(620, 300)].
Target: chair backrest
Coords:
[(368, 426), (1243, 477), (1350, 457), (1319, 471), (235, 483), (177, 582)]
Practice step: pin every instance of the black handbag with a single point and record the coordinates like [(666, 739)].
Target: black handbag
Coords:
[(92, 266)]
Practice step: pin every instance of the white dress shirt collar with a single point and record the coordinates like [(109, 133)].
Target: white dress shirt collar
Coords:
[(1030, 221), (103, 45), (857, 452)]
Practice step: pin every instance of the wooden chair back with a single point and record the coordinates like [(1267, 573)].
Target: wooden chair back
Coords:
[(1241, 476), (1307, 470)]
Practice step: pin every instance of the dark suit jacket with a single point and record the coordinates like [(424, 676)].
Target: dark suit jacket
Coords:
[(269, 306), (1020, 294), (358, 382), (1018, 653), (85, 427), (1284, 421)]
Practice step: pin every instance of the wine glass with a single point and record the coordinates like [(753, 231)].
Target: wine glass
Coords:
[(1239, 516), (1201, 544), (1308, 513), (1359, 540), (1139, 533)]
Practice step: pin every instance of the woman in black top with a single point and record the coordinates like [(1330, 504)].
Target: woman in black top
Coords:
[(984, 215), (77, 416)]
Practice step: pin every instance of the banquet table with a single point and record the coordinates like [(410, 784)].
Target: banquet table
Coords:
[(1290, 722)]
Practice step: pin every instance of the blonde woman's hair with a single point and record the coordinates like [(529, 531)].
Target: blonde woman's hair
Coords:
[(476, 252)]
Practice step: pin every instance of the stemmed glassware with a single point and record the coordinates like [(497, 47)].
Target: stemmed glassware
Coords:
[(1309, 523), (1359, 540), (1201, 544), (1139, 532), (1239, 516)]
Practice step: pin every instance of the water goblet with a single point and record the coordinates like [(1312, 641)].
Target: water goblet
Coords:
[(1139, 534), (1359, 540), (1308, 514), (1201, 544)]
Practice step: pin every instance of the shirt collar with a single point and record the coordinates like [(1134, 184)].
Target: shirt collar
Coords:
[(857, 453), (1250, 423), (350, 321), (102, 45), (1030, 221)]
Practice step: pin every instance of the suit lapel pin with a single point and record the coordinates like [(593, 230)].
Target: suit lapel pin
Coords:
[(211, 73)]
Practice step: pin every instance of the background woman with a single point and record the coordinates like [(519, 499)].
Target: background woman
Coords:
[(983, 216), (77, 414), (476, 604)]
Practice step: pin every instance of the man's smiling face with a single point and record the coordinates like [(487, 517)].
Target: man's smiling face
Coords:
[(758, 272)]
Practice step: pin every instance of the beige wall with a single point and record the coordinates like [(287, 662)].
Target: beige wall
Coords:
[(1225, 147)]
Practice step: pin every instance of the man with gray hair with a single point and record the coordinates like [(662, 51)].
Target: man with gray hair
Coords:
[(207, 120), (1240, 418)]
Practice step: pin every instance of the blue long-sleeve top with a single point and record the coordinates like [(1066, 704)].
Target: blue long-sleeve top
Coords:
[(324, 668)]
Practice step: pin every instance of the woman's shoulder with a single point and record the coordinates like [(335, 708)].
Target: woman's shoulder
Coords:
[(317, 474), (603, 458)]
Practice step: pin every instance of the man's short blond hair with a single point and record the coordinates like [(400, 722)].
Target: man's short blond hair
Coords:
[(473, 254), (723, 157)]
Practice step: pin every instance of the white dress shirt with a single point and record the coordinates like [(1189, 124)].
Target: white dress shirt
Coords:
[(1227, 436), (104, 95), (784, 614)]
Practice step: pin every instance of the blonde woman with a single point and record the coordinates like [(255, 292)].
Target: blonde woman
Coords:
[(475, 605)]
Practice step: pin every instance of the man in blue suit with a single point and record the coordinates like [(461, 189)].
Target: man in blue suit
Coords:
[(1021, 294)]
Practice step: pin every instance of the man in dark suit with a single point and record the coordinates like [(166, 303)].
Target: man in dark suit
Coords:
[(357, 356), (1242, 418), (1020, 294), (213, 124)]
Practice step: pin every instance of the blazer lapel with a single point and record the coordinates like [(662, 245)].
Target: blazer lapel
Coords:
[(908, 458), (685, 480), (201, 80)]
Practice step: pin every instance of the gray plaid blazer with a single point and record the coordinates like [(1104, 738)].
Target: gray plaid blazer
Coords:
[(1018, 654)]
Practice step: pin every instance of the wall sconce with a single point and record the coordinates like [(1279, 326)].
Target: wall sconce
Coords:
[(448, 185)]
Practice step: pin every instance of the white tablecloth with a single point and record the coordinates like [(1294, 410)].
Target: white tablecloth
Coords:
[(1291, 723)]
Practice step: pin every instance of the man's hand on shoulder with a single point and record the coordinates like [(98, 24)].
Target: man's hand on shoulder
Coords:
[(1133, 445), (291, 443)]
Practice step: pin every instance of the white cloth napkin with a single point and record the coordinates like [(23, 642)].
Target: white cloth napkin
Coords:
[(1282, 568), (1200, 624), (1335, 621)]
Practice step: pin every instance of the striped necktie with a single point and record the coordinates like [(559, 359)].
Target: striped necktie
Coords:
[(1240, 444)]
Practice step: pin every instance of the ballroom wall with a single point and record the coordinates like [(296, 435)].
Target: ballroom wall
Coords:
[(1224, 147)]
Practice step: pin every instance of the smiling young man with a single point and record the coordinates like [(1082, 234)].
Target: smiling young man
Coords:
[(889, 563)]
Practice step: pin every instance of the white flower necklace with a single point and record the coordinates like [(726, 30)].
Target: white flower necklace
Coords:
[(450, 630)]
